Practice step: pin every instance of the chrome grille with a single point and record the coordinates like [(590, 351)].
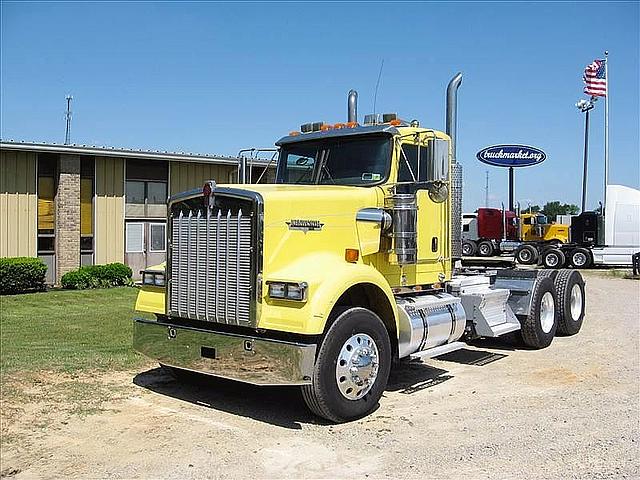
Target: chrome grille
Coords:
[(211, 266)]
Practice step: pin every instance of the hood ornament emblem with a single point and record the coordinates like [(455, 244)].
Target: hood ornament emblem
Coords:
[(305, 225)]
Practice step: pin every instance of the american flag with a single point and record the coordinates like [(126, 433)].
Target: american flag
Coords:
[(595, 79)]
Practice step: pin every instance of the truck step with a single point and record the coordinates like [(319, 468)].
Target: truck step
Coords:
[(441, 350), (504, 328)]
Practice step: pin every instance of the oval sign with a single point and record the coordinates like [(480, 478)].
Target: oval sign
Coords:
[(511, 156)]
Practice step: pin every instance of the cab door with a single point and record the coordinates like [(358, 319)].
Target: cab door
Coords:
[(417, 155)]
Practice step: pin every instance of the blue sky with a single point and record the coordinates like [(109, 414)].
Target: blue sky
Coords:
[(218, 77)]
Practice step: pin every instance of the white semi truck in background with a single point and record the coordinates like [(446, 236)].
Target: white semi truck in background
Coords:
[(595, 239)]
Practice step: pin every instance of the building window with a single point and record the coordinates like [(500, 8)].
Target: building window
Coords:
[(157, 193), (87, 177), (135, 237), (146, 188), (135, 192), (157, 235)]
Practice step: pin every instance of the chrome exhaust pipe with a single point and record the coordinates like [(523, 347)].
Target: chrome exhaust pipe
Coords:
[(452, 111), (456, 168), (352, 106)]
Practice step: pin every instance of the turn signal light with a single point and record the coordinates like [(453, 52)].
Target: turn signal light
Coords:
[(351, 255)]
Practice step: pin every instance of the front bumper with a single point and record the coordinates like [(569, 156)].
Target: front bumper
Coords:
[(247, 359)]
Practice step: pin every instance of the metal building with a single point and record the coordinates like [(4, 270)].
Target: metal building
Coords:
[(73, 205)]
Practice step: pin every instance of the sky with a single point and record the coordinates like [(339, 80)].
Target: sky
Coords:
[(219, 77)]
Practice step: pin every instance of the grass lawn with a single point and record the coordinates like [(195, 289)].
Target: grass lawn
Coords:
[(68, 330)]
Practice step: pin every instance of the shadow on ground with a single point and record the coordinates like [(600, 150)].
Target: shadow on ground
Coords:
[(284, 406)]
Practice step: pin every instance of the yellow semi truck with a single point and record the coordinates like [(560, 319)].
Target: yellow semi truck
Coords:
[(344, 266)]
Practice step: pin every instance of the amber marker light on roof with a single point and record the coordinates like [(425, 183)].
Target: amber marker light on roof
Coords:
[(351, 255), (351, 124), (294, 133), (338, 126), (324, 127), (395, 122)]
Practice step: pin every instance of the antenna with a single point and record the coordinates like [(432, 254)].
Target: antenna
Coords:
[(67, 115), (375, 95), (486, 189)]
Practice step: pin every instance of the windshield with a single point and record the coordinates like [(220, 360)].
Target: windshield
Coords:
[(336, 161), (541, 219)]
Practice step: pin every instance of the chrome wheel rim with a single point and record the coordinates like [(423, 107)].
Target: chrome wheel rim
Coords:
[(547, 312), (357, 366), (552, 260), (579, 259), (576, 302), (484, 249), (466, 249), (525, 255)]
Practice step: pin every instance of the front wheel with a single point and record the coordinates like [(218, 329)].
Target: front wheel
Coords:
[(352, 367)]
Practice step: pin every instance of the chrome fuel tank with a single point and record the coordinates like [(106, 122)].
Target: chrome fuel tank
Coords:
[(428, 321)]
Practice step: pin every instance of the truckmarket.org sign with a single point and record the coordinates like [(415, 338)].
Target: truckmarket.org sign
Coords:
[(511, 156)]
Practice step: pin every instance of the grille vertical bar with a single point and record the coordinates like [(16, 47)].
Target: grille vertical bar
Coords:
[(211, 276)]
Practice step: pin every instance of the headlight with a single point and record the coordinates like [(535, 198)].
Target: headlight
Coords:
[(288, 290), (150, 277)]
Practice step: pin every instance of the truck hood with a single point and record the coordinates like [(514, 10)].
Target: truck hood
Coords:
[(333, 205)]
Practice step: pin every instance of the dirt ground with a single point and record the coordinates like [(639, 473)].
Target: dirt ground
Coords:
[(488, 411)]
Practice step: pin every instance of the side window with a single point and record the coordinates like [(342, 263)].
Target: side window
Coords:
[(300, 168), (527, 221), (413, 163)]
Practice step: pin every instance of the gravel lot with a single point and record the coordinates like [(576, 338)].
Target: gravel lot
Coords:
[(489, 411)]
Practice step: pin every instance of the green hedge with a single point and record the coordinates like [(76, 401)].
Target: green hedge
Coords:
[(97, 276), (22, 274)]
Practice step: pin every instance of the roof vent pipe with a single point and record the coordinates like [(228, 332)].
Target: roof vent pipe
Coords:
[(352, 106), (452, 111)]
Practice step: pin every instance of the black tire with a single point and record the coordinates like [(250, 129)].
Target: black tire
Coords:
[(553, 258), (469, 248), (323, 396), (485, 249), (581, 258), (570, 306), (527, 255), (536, 330)]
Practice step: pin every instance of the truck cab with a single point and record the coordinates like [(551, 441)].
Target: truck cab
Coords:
[(342, 267), (536, 227)]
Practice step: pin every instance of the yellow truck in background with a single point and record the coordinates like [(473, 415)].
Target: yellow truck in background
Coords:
[(535, 227), (344, 266)]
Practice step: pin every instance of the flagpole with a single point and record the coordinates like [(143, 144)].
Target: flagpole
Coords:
[(606, 129)]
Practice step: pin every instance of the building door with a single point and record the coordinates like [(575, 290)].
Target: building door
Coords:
[(146, 245), (157, 241)]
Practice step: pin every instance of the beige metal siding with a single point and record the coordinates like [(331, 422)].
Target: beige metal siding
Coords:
[(187, 176), (109, 210), (18, 204)]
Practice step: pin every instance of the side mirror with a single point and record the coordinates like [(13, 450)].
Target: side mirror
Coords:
[(437, 160)]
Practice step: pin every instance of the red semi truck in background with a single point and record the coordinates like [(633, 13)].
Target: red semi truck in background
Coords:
[(483, 231)]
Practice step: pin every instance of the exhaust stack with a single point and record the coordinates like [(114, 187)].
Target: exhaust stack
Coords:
[(452, 111), (352, 106), (456, 168)]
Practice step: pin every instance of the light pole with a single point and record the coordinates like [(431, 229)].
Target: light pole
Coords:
[(585, 106)]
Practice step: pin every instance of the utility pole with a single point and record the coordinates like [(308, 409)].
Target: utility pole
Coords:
[(486, 189), (67, 134)]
